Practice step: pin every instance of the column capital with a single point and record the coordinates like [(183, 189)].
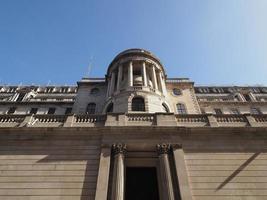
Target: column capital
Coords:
[(119, 148), (176, 146), (163, 148)]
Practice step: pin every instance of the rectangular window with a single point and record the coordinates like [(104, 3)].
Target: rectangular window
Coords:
[(218, 111), (11, 110), (68, 111), (255, 111), (235, 111), (51, 111), (33, 110), (181, 108)]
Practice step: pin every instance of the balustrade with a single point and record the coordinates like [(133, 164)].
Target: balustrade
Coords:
[(140, 119)]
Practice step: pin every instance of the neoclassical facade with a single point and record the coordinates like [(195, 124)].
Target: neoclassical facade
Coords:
[(135, 134)]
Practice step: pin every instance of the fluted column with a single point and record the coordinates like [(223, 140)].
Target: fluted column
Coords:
[(144, 73), (154, 78), (118, 183), (119, 78), (163, 152), (130, 74), (112, 86)]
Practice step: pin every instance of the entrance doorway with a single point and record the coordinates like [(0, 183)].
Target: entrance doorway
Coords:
[(141, 183)]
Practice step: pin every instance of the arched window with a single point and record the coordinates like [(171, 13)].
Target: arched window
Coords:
[(110, 108), (181, 109), (138, 104), (91, 108), (165, 108), (94, 91)]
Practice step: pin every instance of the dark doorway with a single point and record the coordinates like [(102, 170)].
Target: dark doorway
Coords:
[(141, 183)]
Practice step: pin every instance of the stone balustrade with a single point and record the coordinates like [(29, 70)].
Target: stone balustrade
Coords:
[(134, 119)]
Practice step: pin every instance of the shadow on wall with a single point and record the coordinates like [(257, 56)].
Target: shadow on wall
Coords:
[(238, 170), (67, 167)]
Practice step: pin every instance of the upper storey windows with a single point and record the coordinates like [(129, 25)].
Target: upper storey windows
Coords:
[(181, 109), (138, 104), (91, 108)]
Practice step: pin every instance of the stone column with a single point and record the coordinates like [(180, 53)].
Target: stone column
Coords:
[(154, 78), (181, 172), (130, 74), (164, 89), (119, 78), (160, 81), (118, 182), (103, 173), (144, 73), (167, 186), (112, 86), (108, 90)]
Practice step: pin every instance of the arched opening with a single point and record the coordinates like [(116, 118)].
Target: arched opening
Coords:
[(181, 109), (110, 108), (91, 108), (138, 104), (165, 108)]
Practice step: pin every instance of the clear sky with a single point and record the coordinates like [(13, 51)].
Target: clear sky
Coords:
[(209, 41)]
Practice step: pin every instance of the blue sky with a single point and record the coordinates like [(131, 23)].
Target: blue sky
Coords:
[(222, 42)]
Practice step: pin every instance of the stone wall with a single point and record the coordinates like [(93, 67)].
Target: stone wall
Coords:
[(48, 165)]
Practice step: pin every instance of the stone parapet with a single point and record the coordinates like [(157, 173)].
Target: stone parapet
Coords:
[(134, 119)]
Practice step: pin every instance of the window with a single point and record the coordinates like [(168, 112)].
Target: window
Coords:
[(165, 108), (181, 108), (11, 110), (68, 110), (110, 108), (33, 110), (51, 111), (218, 111), (235, 111), (138, 104), (91, 108), (255, 111), (94, 91), (177, 91)]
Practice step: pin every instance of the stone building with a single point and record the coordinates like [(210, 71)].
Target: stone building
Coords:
[(133, 135)]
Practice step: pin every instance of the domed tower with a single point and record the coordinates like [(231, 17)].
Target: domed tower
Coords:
[(136, 83)]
